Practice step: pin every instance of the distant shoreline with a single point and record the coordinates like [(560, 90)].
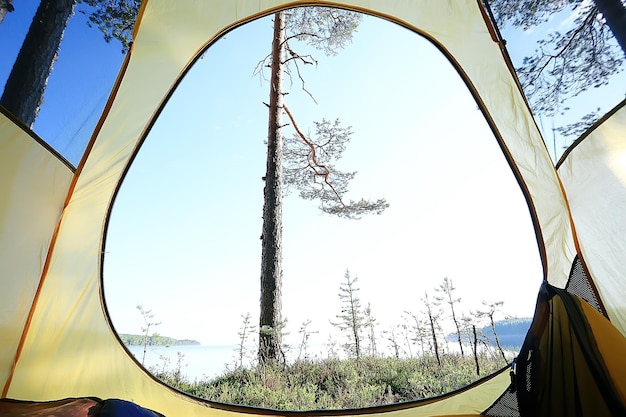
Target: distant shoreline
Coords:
[(155, 340)]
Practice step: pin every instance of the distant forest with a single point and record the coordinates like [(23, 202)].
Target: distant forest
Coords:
[(511, 333), (155, 340)]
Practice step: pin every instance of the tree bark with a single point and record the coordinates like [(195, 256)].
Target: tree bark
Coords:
[(434, 336), (458, 329), (614, 13), (356, 325), (271, 253), (475, 350), (433, 326), (495, 335), (23, 92)]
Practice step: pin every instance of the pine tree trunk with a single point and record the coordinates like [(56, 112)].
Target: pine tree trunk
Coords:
[(495, 335), (356, 325), (271, 253), (434, 336), (458, 331), (614, 13), (475, 350), (23, 92)]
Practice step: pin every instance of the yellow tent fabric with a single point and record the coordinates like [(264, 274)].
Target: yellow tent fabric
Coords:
[(569, 364), (57, 338), (33, 185), (594, 178)]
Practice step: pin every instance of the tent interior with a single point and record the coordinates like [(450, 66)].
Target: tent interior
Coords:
[(60, 351)]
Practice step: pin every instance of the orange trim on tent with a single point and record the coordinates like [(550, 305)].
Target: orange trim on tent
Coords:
[(31, 312), (70, 192)]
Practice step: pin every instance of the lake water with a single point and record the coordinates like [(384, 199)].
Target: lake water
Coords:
[(200, 362), (197, 362)]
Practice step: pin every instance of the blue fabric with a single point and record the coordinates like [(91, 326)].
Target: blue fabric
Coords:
[(121, 408)]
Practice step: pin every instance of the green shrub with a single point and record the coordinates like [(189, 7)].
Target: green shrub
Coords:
[(336, 384)]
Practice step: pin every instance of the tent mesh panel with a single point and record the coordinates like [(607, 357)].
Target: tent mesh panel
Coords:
[(505, 406), (578, 284)]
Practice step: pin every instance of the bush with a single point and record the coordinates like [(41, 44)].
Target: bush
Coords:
[(335, 384)]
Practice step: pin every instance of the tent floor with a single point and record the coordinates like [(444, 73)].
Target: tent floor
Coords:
[(73, 407)]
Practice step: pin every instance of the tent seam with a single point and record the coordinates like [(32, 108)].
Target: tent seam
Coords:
[(55, 234)]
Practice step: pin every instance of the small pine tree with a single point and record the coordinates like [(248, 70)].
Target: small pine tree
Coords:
[(393, 341), (370, 325), (445, 289), (304, 341), (492, 308), (352, 317), (147, 315), (245, 332), (418, 329), (433, 322)]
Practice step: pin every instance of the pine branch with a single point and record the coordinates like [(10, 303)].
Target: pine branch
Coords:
[(320, 170)]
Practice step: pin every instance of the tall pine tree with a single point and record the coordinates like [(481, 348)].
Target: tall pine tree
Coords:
[(300, 162)]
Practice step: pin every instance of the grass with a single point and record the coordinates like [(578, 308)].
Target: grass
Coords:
[(337, 383)]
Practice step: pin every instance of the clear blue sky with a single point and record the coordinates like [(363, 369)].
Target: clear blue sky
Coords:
[(80, 81), (184, 234), (455, 209)]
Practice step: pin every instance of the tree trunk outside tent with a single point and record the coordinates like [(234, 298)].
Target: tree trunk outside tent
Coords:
[(614, 13), (271, 253), (23, 92), (433, 326)]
